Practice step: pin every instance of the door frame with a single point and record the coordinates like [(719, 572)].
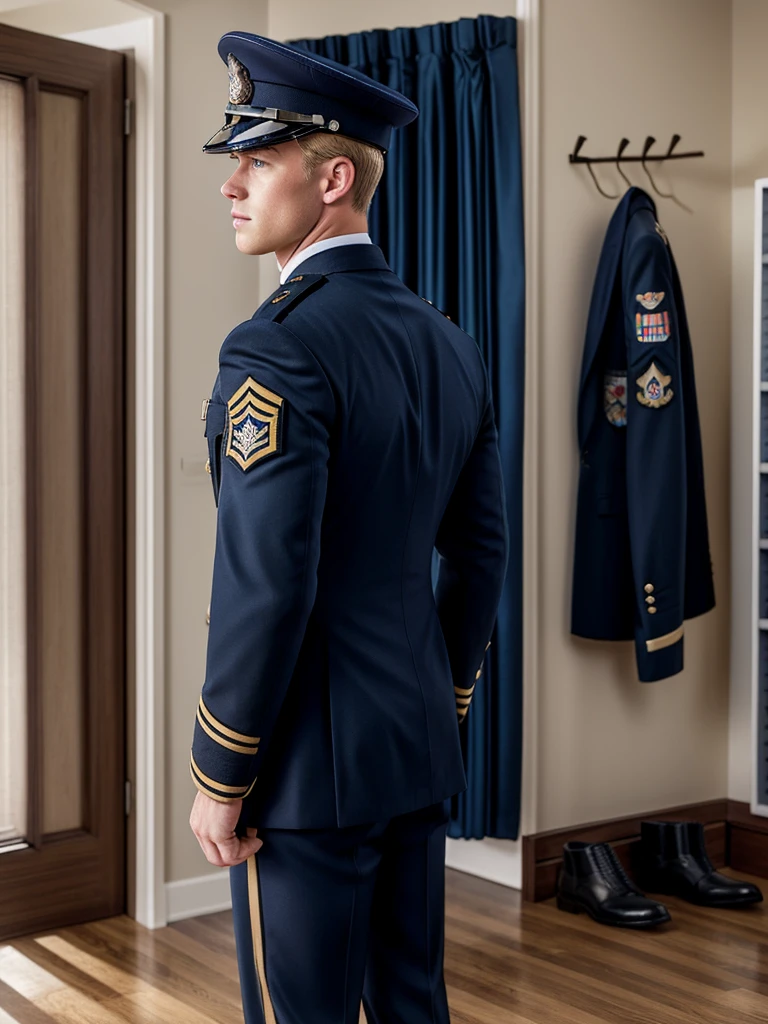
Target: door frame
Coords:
[(145, 794)]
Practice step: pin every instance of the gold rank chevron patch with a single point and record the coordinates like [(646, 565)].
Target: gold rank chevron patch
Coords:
[(255, 424), (656, 390)]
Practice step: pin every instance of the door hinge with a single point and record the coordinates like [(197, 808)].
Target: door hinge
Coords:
[(128, 791), (128, 117)]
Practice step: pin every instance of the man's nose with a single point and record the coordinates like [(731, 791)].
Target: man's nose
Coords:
[(232, 188)]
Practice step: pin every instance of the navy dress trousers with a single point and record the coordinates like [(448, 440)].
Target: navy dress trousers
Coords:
[(642, 564)]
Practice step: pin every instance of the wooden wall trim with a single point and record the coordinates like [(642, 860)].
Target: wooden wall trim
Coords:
[(145, 38), (735, 837)]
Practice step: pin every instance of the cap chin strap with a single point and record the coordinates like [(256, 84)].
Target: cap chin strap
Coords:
[(274, 114)]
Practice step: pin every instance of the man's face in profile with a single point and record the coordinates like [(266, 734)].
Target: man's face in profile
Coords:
[(274, 206)]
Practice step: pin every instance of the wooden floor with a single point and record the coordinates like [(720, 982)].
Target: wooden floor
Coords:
[(506, 963)]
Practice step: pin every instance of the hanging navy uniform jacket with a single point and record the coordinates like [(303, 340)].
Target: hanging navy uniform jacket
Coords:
[(350, 432), (642, 563)]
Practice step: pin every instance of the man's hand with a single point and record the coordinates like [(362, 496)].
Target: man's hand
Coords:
[(214, 823)]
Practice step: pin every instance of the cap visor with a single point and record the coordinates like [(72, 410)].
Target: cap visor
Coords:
[(247, 134)]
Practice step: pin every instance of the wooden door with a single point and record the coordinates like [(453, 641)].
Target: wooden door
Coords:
[(62, 543)]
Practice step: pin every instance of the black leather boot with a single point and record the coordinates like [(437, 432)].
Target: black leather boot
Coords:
[(592, 880), (673, 860)]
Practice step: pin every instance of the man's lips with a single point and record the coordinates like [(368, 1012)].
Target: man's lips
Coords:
[(239, 218)]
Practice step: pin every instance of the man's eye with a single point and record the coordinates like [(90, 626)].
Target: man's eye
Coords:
[(255, 161)]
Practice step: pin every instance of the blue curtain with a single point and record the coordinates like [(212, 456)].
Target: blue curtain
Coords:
[(448, 215)]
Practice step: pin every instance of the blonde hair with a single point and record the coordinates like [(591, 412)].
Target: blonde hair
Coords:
[(368, 161)]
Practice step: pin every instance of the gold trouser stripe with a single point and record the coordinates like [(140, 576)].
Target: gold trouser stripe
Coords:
[(658, 642), (237, 747), (258, 942), (224, 730)]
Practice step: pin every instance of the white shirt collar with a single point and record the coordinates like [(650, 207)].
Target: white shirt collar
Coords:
[(356, 238)]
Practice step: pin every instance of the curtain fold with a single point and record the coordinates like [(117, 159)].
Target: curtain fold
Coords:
[(449, 216)]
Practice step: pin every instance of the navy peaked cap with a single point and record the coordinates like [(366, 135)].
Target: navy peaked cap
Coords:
[(279, 92)]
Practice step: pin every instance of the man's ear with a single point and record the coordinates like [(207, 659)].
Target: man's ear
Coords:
[(341, 179)]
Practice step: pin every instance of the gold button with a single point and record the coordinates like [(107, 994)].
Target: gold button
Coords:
[(488, 645), (650, 600), (204, 411), (651, 611), (208, 616), (478, 674), (207, 465), (648, 588)]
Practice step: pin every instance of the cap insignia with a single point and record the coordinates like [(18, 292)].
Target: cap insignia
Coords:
[(240, 84)]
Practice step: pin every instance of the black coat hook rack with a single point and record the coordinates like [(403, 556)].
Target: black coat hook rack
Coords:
[(576, 158), (618, 158)]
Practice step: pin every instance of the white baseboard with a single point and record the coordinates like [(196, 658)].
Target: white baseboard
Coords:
[(498, 860), (193, 897)]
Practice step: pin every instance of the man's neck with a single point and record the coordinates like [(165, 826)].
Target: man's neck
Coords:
[(357, 226), (330, 241)]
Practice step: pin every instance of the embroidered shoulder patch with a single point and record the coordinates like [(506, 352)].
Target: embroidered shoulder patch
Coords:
[(655, 384), (650, 300), (615, 398), (255, 424), (652, 326)]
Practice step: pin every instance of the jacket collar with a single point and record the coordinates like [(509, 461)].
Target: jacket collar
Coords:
[(344, 258)]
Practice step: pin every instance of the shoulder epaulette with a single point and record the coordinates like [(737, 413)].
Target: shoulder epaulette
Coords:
[(437, 308), (286, 296)]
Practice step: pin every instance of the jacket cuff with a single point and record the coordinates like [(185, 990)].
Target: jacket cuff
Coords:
[(660, 656), (464, 696), (222, 761)]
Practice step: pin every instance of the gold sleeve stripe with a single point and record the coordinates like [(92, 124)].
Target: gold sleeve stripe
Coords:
[(237, 747), (463, 701), (222, 799), (236, 790), (659, 642), (464, 693), (223, 728)]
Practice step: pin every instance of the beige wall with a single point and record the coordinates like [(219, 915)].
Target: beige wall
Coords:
[(750, 161), (210, 288), (607, 744), (308, 20), (73, 16)]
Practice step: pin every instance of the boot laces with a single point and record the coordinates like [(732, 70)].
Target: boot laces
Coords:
[(613, 870)]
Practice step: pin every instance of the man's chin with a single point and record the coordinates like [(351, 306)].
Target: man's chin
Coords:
[(250, 246)]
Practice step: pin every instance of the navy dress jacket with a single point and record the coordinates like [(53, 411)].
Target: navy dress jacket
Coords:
[(642, 564), (350, 432)]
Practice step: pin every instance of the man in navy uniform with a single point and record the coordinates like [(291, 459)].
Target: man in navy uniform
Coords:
[(642, 563), (350, 432)]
